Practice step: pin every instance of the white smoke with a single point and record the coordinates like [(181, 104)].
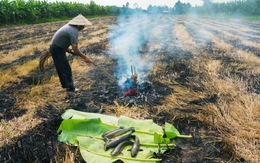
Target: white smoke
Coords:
[(126, 40)]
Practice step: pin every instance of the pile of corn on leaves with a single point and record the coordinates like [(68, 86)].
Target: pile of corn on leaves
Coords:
[(87, 130)]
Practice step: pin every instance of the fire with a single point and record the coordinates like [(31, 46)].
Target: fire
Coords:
[(131, 84)]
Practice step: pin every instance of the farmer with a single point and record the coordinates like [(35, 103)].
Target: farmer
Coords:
[(67, 36)]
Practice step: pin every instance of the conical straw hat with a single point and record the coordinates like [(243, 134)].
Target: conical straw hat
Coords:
[(80, 20)]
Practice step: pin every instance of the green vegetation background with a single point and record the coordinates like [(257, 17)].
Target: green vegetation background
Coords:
[(35, 11)]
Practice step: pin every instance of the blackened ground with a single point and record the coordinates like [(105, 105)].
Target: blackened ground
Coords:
[(202, 147), (40, 144)]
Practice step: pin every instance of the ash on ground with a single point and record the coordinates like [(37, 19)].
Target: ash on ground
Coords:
[(145, 95)]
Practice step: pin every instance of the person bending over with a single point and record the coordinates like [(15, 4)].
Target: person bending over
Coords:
[(65, 37)]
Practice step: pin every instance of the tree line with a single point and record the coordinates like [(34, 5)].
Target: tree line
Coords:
[(15, 11), (236, 8)]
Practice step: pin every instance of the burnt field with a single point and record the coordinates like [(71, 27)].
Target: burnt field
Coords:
[(199, 74)]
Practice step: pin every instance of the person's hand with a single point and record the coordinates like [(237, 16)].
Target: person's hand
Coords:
[(70, 51)]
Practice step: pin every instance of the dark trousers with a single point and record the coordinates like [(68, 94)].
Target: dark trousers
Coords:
[(62, 66)]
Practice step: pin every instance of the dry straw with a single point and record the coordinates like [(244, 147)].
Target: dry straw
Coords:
[(43, 58)]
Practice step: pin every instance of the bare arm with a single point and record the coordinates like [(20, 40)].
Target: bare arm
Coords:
[(79, 53)]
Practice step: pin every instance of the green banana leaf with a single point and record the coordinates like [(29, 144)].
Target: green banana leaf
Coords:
[(172, 132), (91, 152), (74, 114), (85, 129)]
